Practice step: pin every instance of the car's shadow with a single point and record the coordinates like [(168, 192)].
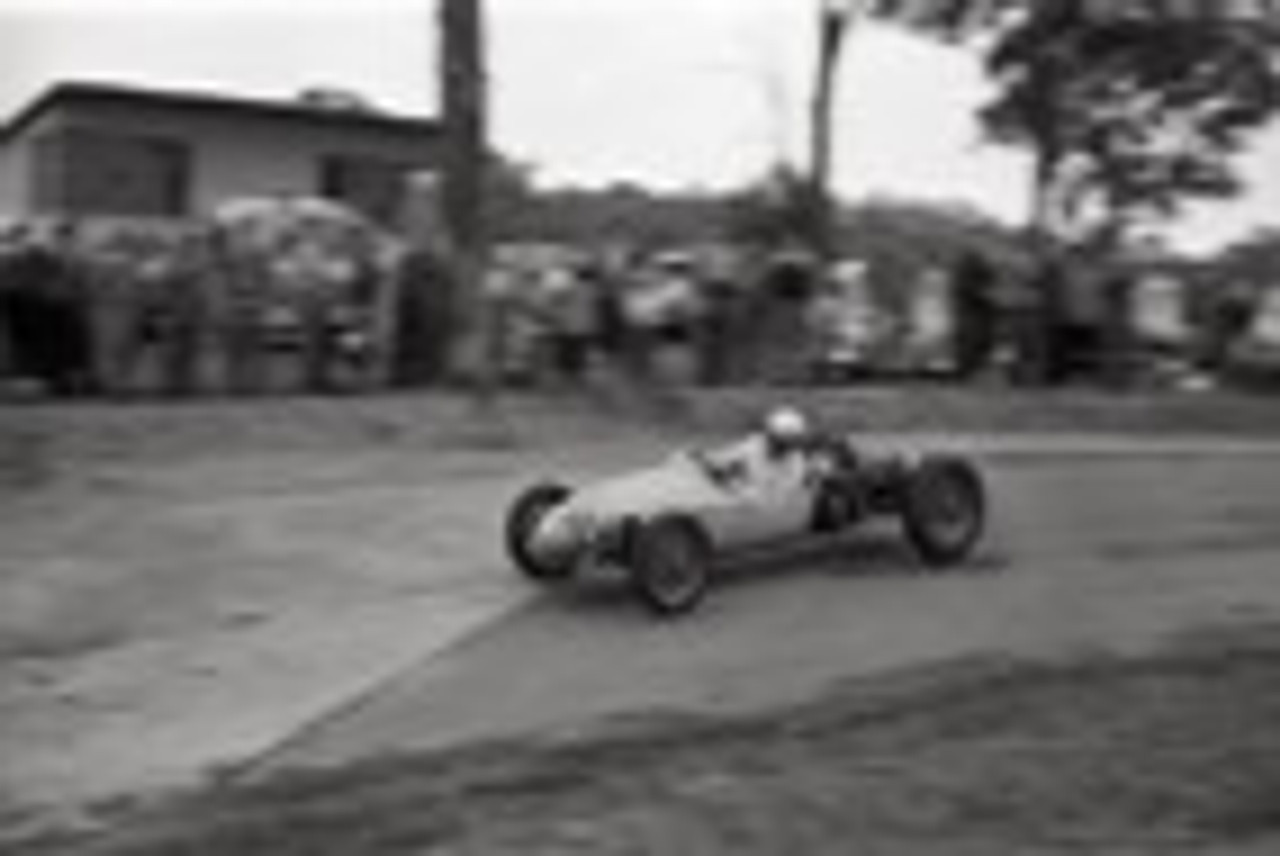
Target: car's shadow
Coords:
[(878, 552)]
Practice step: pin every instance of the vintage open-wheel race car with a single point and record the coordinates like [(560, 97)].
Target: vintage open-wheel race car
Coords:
[(669, 527)]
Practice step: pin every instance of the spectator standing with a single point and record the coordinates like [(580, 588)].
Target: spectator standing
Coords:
[(8, 249), (570, 310), (666, 306), (240, 289), (498, 317), (638, 334), (929, 341), (183, 314), (71, 289), (612, 333), (1038, 325), (117, 313), (780, 329), (314, 281), (715, 328), (975, 314), (25, 310), (1230, 317), (1118, 334), (1084, 323), (354, 322), (424, 322), (48, 325)]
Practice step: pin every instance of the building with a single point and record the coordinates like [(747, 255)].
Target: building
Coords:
[(91, 150)]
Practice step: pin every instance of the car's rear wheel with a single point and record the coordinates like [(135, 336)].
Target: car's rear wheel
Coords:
[(944, 509), (523, 519), (670, 565)]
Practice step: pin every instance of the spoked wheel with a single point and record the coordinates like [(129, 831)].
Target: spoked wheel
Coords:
[(523, 519), (944, 510), (671, 565)]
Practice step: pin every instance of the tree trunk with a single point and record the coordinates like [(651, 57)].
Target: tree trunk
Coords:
[(465, 98), (832, 27)]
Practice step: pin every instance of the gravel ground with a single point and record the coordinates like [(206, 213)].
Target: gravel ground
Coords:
[(182, 584), (931, 408), (1169, 754), (1176, 754), (41, 441)]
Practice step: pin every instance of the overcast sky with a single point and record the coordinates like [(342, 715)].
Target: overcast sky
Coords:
[(671, 93)]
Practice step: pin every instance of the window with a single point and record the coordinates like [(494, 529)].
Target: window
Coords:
[(48, 173), (371, 186), (81, 171)]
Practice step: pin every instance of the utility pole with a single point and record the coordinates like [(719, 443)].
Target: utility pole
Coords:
[(464, 86), (834, 17)]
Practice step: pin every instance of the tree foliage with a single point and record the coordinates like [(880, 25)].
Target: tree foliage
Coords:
[(918, 233), (1130, 110), (1255, 259), (617, 214), (778, 211)]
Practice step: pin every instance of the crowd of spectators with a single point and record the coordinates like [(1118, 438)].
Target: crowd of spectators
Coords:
[(186, 311), (193, 311), (666, 317)]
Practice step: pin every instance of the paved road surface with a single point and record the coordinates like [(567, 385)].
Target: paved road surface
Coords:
[(318, 610), (156, 620), (1098, 550)]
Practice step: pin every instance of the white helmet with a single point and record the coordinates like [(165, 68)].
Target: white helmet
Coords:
[(786, 426)]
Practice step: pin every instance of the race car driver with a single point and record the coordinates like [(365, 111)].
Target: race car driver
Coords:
[(776, 458)]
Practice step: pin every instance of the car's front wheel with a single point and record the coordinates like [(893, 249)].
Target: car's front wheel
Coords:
[(944, 509), (523, 519), (670, 565)]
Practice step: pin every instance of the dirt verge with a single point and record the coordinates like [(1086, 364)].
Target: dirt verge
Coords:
[(1172, 753), (39, 442)]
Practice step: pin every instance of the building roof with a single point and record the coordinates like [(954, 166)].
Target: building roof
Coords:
[(75, 92)]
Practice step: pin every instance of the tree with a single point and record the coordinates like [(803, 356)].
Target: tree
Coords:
[(777, 212), (1254, 259), (1129, 111), (836, 18), (1129, 119)]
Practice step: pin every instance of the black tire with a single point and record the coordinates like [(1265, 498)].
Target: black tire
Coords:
[(528, 510), (670, 565), (943, 509)]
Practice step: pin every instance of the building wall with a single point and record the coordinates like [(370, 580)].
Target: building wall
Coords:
[(16, 170), (12, 183), (230, 154)]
